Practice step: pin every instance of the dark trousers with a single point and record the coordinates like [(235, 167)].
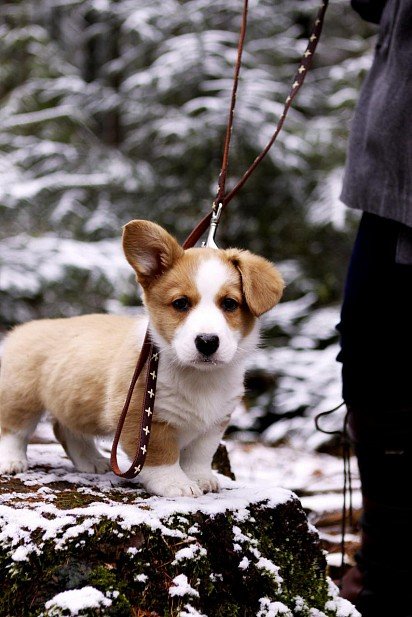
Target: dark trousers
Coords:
[(376, 356), (376, 320)]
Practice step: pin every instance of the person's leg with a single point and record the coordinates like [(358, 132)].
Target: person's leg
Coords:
[(376, 344)]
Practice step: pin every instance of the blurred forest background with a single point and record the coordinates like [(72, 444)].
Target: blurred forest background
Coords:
[(116, 109)]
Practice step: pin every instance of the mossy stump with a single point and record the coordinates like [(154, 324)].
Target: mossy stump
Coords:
[(78, 544)]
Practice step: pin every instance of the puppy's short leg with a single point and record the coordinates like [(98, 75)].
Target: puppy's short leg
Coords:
[(162, 474), (13, 447), (196, 459), (17, 425), (81, 449)]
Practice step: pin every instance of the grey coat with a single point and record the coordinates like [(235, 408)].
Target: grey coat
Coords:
[(378, 176)]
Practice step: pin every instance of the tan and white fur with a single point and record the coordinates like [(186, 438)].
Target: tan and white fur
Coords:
[(202, 309)]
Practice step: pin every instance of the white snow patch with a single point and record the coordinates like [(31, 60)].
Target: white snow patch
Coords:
[(190, 612), (190, 552), (330, 502), (296, 468), (244, 564), (342, 607), (21, 553), (181, 587), (77, 600), (272, 609), (269, 566), (335, 559)]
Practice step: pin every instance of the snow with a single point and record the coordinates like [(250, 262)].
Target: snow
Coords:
[(265, 564), (189, 552), (343, 607), (340, 607), (33, 261), (18, 521), (272, 609), (326, 207), (181, 587), (244, 564), (76, 600), (335, 559), (301, 470), (191, 612)]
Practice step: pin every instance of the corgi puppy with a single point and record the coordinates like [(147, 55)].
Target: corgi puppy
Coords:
[(202, 307)]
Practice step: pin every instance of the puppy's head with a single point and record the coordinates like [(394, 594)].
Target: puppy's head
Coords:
[(203, 303)]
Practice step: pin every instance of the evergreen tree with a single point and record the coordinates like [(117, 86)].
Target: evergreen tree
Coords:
[(112, 110)]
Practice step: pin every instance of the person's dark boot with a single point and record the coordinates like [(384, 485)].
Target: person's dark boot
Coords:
[(381, 583)]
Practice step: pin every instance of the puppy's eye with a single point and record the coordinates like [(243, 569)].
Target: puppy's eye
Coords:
[(229, 304), (181, 304)]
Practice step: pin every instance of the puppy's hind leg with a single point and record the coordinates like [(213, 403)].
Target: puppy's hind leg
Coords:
[(81, 449)]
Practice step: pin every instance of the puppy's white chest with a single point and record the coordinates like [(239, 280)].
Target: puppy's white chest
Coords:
[(196, 402)]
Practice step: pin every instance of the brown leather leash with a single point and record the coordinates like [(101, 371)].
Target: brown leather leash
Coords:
[(149, 353)]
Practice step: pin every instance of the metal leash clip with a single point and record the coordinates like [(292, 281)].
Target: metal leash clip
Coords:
[(214, 222)]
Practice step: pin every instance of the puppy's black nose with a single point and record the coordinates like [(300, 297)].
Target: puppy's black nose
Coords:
[(207, 344)]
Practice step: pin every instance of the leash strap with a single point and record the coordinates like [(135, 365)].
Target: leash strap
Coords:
[(225, 160), (347, 507), (298, 80), (149, 351)]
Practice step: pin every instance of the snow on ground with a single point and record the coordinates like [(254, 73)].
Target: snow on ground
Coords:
[(129, 508), (302, 471), (316, 478), (260, 470)]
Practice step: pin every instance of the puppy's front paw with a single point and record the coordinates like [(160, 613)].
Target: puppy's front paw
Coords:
[(180, 489), (13, 466), (168, 481), (206, 481)]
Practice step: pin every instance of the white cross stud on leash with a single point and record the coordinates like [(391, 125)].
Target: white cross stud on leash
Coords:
[(143, 449), (150, 393), (155, 356), (148, 411), (137, 469), (153, 374), (146, 430)]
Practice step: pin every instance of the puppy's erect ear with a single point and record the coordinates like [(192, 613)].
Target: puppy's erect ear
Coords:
[(149, 249), (262, 283)]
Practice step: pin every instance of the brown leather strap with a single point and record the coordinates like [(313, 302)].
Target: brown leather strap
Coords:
[(225, 159), (148, 349), (298, 80)]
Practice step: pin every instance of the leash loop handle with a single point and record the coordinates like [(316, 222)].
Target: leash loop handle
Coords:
[(347, 505)]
